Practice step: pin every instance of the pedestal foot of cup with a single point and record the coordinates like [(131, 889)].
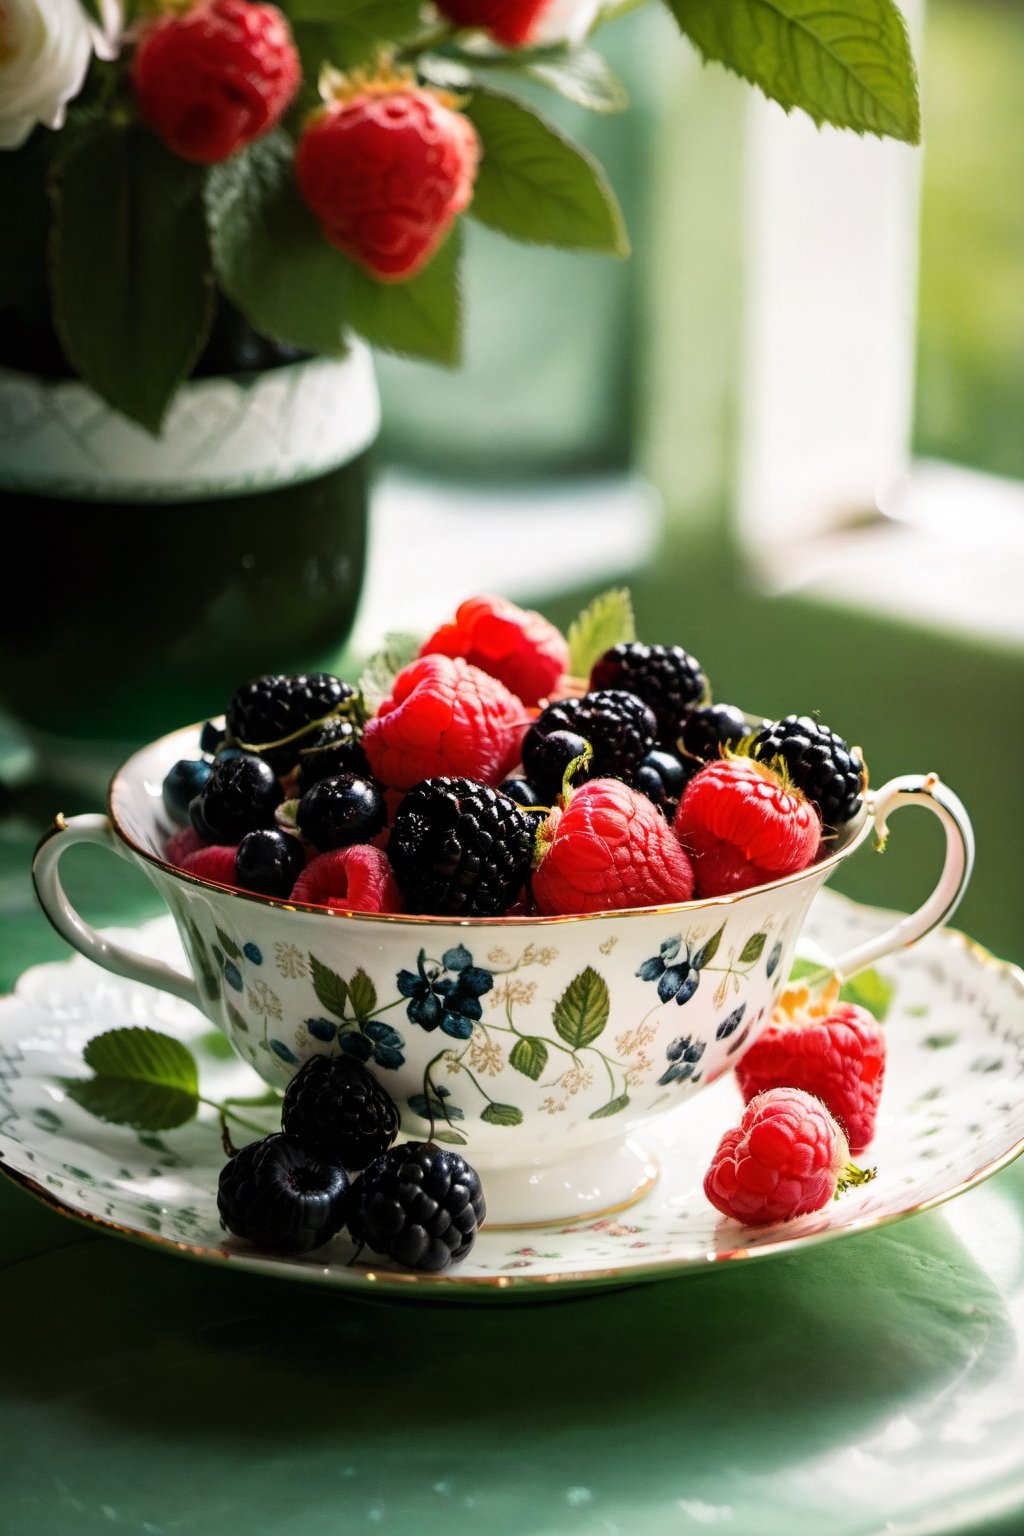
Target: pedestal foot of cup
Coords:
[(593, 1183)]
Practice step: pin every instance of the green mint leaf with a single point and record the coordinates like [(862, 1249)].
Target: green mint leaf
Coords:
[(268, 252), (142, 1078), (130, 268), (384, 666), (846, 62), (613, 1107), (502, 1114), (581, 1012), (605, 622), (331, 991), (362, 995), (583, 76), (869, 989), (535, 185), (529, 1056), (419, 318)]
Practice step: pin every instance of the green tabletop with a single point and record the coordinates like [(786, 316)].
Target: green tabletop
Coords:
[(872, 1385)]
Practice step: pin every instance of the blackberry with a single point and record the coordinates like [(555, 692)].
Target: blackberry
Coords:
[(241, 794), (459, 848), (706, 731), (181, 785), (337, 1111), (550, 756), (335, 747), (270, 708), (662, 778), (620, 728), (341, 811), (522, 792), (278, 1196), (418, 1204), (666, 677), (819, 763), (269, 862)]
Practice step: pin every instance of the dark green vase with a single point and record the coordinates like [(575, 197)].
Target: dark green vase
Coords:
[(156, 574)]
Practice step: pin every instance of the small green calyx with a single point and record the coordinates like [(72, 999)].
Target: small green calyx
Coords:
[(853, 1177)]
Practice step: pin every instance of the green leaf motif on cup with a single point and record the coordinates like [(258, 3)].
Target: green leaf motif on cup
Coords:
[(753, 948), (228, 945), (502, 1114), (330, 989), (707, 951), (613, 1107), (581, 1012), (362, 995), (143, 1078), (529, 1056)]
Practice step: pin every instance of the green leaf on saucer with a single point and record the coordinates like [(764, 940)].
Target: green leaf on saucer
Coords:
[(384, 666), (581, 1012), (502, 1114), (869, 989), (613, 1107), (529, 1056), (143, 1078), (268, 252), (331, 990), (419, 318), (362, 995), (535, 185), (846, 62), (583, 76), (130, 268), (605, 622)]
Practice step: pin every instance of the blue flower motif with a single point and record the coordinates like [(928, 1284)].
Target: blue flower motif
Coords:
[(253, 952), (355, 1045), (683, 1055), (677, 979), (450, 1003), (774, 958), (232, 975), (730, 1025), (284, 1052), (388, 1045), (322, 1029)]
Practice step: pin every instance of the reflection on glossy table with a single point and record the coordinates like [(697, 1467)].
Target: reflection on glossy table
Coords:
[(874, 1385)]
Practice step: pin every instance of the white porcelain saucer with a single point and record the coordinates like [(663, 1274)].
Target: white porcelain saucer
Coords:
[(952, 1114)]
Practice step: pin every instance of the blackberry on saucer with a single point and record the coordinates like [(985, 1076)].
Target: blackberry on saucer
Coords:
[(269, 862), (707, 730), (334, 747), (240, 795), (666, 677), (340, 811), (337, 1111), (418, 1204), (619, 727), (279, 1196), (459, 848), (818, 761), (274, 713)]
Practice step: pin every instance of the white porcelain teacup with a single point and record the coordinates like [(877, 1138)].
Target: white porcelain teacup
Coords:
[(540, 1046)]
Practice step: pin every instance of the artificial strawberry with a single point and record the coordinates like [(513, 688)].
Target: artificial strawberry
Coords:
[(385, 167), (215, 77), (786, 1158), (512, 23), (517, 646), (743, 824), (609, 848), (836, 1052)]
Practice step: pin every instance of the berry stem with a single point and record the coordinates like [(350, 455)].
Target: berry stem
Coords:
[(852, 1177), (347, 709), (224, 1110)]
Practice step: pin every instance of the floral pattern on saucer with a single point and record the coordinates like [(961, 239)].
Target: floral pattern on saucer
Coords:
[(952, 1112)]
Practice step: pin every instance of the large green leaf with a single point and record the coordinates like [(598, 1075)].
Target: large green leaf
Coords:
[(534, 184), (581, 1012), (142, 1078), (131, 277), (362, 994), (846, 62), (418, 318), (269, 254), (348, 32), (584, 76)]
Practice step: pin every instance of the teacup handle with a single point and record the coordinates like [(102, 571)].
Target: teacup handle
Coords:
[(925, 790), (54, 844)]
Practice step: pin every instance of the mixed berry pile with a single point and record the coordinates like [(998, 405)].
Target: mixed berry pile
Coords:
[(487, 781)]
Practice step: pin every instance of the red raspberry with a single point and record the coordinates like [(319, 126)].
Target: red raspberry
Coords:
[(385, 168), (743, 825), (787, 1157), (216, 862), (840, 1058), (356, 879), (215, 78), (444, 716), (610, 848), (511, 22), (515, 645), (181, 843)]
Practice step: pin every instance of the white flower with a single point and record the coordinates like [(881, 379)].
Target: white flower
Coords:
[(45, 50), (565, 21)]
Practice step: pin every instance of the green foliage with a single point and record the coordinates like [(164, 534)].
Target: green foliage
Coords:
[(581, 1012), (529, 1056), (132, 288), (330, 989), (420, 318), (613, 1107), (846, 62), (605, 622), (752, 949), (583, 76), (142, 1078), (502, 1114), (384, 666)]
